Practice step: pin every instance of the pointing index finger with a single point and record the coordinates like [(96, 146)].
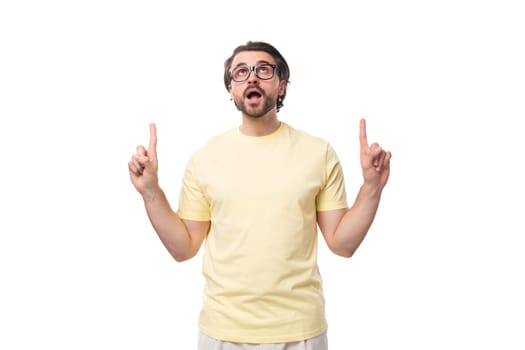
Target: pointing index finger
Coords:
[(152, 149), (363, 140)]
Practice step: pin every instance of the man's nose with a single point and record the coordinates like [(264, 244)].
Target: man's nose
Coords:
[(253, 77)]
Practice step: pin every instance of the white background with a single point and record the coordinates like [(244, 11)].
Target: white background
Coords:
[(441, 84)]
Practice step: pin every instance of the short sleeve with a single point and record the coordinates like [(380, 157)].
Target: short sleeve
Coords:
[(333, 192), (193, 203)]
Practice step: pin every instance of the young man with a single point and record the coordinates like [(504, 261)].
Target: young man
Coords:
[(257, 194)]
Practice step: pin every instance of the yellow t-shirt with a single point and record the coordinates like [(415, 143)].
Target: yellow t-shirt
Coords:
[(261, 195)]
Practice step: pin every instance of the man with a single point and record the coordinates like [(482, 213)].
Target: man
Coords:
[(257, 194)]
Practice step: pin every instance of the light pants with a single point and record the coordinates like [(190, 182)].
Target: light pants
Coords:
[(317, 343)]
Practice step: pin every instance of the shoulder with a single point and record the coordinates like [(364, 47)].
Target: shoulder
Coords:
[(312, 145), (214, 145), (306, 138)]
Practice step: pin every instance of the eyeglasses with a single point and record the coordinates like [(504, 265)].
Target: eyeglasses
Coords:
[(263, 71)]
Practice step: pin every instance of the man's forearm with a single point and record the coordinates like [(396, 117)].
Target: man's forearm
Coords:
[(357, 220), (168, 225)]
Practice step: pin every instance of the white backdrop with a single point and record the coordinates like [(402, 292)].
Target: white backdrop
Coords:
[(441, 84)]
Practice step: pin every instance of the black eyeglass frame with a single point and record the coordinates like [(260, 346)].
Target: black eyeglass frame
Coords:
[(254, 70)]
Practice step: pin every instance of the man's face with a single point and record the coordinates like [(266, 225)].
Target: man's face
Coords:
[(255, 97)]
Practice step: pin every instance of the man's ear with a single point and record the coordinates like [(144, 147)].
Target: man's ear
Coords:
[(282, 87)]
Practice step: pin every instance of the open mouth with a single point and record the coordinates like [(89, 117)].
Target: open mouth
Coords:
[(253, 95)]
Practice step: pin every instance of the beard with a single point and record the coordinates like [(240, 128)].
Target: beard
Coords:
[(259, 111)]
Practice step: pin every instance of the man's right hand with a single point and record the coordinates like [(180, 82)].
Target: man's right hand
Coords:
[(143, 167)]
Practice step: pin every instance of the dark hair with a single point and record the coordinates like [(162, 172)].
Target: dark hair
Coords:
[(283, 71)]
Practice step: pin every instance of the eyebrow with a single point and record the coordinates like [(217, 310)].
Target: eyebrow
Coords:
[(256, 63)]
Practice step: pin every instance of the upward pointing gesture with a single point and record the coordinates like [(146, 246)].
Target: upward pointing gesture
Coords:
[(143, 166), (375, 161)]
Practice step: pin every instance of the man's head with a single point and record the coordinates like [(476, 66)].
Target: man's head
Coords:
[(270, 67)]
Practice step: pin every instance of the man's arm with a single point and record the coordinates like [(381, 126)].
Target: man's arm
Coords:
[(345, 229), (182, 238)]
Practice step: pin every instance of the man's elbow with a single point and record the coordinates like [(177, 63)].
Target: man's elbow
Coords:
[(179, 258), (182, 257), (345, 253)]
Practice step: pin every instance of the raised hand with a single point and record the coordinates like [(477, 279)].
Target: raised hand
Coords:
[(143, 166), (375, 161)]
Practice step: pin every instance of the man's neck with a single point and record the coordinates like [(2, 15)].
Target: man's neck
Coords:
[(262, 126)]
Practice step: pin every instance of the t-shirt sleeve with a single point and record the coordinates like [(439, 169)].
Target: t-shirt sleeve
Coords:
[(193, 203), (333, 193)]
